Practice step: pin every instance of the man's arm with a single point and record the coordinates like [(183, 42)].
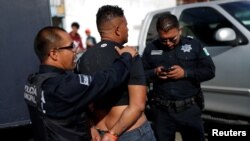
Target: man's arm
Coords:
[(93, 87)]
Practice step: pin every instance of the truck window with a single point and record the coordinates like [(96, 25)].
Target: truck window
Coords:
[(203, 22), (240, 11)]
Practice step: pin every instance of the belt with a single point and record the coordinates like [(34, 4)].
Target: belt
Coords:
[(177, 105)]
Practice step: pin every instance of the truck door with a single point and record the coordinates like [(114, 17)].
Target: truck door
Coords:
[(228, 91)]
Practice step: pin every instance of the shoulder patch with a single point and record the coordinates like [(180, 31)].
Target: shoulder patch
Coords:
[(190, 37), (85, 79), (206, 52)]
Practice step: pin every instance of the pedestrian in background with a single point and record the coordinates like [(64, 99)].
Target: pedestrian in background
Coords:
[(90, 40), (76, 37), (57, 98), (176, 66)]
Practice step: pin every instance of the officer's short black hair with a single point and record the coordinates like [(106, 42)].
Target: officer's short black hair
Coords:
[(107, 13), (45, 40), (166, 22), (75, 24)]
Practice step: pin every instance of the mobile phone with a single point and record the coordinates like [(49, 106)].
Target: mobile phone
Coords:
[(167, 69)]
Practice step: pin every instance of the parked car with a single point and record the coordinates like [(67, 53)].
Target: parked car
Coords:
[(223, 27)]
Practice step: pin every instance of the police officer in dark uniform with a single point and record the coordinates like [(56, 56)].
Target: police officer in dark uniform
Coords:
[(57, 98), (176, 66)]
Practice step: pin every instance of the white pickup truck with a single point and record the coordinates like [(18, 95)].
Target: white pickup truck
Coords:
[(224, 29)]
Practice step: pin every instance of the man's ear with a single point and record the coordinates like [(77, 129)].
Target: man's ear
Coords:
[(53, 54), (118, 30)]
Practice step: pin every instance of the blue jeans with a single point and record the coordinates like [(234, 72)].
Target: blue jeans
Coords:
[(142, 133)]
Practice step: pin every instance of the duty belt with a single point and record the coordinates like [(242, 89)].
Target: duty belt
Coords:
[(177, 105)]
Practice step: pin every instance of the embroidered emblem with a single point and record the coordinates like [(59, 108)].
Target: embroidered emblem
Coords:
[(206, 52), (84, 79), (43, 102), (104, 45), (186, 48), (156, 52), (190, 37)]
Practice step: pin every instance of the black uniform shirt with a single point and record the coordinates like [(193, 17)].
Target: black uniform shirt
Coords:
[(190, 55), (100, 57)]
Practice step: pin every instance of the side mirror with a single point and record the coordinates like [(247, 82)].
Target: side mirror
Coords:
[(225, 34)]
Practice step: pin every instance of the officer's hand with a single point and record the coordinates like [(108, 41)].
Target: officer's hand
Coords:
[(176, 73), (95, 134), (128, 49), (107, 137), (161, 74)]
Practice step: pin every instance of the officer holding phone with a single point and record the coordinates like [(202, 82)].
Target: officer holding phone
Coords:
[(176, 66)]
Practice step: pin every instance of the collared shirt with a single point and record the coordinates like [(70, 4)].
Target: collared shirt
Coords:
[(190, 55)]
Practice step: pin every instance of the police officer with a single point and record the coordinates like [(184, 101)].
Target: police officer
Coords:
[(57, 98), (176, 66)]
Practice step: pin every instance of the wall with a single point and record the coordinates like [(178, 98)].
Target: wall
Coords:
[(20, 21)]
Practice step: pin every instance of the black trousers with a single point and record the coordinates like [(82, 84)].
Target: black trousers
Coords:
[(188, 122)]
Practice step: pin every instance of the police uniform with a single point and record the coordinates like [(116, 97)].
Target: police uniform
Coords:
[(179, 102), (58, 99)]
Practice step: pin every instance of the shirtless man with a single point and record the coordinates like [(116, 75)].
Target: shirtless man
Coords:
[(120, 117)]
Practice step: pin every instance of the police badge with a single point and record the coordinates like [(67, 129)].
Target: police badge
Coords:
[(186, 48)]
